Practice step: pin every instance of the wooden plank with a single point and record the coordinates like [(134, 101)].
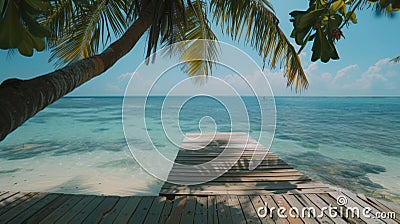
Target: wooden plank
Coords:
[(13, 212), (257, 172), (218, 139), (231, 165), (76, 209), (142, 209), (281, 202), (237, 173), (238, 179), (64, 208), (166, 211), (194, 134), (238, 167), (318, 214), (246, 154), (381, 207), (236, 210), (225, 163), (201, 210), (269, 201), (34, 208), (390, 205), (189, 210), (128, 210), (364, 204), (155, 210), (259, 203), (249, 211), (13, 200), (110, 216), (104, 207), (294, 203), (47, 209), (302, 184), (201, 143), (218, 135), (218, 151), (212, 215), (330, 201), (231, 162), (248, 185), (237, 145), (241, 192), (89, 208), (231, 156), (321, 204), (228, 155), (353, 204), (177, 210), (6, 195), (223, 210)]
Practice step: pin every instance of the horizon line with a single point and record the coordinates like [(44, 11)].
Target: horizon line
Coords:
[(326, 96)]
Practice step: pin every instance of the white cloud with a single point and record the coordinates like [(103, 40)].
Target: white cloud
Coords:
[(326, 76), (127, 75), (311, 68), (113, 88), (343, 72), (376, 74), (380, 78)]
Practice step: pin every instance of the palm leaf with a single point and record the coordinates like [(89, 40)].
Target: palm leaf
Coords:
[(80, 26), (186, 24), (256, 22), (386, 7), (195, 31), (396, 59)]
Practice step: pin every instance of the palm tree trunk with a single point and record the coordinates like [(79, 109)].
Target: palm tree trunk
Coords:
[(21, 99)]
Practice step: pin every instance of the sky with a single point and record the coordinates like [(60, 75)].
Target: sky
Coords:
[(363, 69)]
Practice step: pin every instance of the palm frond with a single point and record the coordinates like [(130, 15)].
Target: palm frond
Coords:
[(383, 7), (396, 59), (256, 22), (79, 27), (199, 51), (167, 14), (186, 24)]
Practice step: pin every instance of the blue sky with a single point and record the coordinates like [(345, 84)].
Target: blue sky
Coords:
[(363, 68)]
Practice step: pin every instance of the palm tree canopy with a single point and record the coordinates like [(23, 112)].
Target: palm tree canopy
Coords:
[(77, 29)]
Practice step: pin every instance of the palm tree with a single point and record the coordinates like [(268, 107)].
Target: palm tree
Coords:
[(75, 30)]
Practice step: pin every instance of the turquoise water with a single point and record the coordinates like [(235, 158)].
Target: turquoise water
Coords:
[(77, 145)]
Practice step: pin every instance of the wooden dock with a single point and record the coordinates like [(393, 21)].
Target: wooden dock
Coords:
[(234, 197), (65, 208), (272, 176)]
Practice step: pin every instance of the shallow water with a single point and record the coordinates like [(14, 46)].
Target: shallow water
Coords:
[(77, 145)]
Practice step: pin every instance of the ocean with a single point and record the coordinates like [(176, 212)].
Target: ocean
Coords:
[(77, 144)]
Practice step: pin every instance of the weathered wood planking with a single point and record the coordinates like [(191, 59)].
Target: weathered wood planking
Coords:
[(273, 175), (64, 208)]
